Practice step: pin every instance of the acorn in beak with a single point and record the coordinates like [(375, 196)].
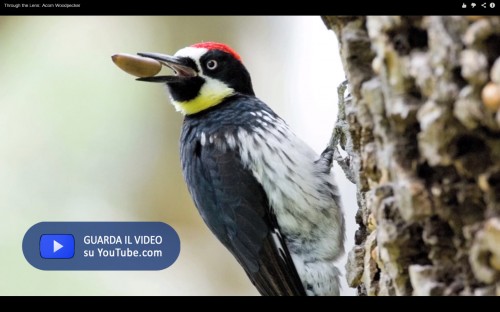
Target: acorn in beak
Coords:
[(147, 65)]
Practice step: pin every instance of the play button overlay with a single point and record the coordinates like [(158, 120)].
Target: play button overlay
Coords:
[(57, 246)]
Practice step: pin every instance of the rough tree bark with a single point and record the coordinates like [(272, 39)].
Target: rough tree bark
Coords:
[(424, 150)]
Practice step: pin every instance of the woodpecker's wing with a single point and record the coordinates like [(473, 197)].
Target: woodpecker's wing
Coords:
[(235, 207)]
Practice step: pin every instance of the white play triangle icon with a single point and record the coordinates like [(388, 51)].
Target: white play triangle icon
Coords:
[(57, 246)]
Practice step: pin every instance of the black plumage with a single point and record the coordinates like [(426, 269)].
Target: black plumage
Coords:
[(229, 198)]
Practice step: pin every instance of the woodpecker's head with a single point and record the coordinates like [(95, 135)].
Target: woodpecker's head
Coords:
[(204, 75)]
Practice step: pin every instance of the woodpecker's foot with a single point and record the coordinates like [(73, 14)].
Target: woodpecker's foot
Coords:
[(326, 159), (340, 135), (345, 164)]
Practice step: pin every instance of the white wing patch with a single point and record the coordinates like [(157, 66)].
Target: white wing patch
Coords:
[(299, 192)]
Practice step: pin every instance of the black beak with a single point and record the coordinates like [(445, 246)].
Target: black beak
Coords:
[(183, 68)]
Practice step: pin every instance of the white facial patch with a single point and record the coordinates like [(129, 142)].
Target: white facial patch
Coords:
[(193, 53), (211, 93)]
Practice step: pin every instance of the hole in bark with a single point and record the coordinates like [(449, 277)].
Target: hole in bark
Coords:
[(450, 198), (484, 258), (407, 146), (418, 38), (469, 144), (472, 156), (438, 231), (390, 212), (406, 39), (376, 276), (417, 251), (425, 172), (413, 91), (457, 76), (489, 133), (400, 42), (494, 179), (492, 48), (494, 185)]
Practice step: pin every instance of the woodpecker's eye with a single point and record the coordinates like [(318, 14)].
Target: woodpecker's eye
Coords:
[(212, 64)]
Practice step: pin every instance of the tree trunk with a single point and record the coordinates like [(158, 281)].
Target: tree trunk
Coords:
[(423, 140)]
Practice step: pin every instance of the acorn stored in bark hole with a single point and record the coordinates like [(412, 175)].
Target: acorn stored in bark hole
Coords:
[(491, 96)]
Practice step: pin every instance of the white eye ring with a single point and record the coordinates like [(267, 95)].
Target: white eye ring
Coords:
[(212, 64)]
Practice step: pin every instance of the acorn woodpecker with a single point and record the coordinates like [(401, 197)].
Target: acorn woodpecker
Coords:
[(264, 193)]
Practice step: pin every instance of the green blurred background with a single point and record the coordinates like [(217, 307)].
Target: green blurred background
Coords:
[(81, 140)]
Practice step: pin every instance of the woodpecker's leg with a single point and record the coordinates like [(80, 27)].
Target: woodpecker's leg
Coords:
[(341, 135)]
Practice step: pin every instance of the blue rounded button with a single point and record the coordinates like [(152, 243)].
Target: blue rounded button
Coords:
[(60, 246), (101, 245)]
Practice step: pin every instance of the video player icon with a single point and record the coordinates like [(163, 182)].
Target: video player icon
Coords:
[(57, 246)]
